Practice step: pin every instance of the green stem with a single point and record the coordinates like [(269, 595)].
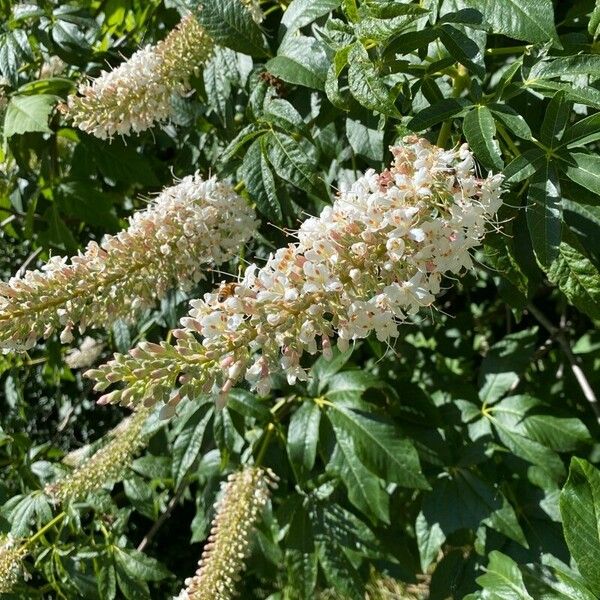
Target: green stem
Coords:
[(507, 140), (265, 444), (460, 81), (506, 50), (45, 528)]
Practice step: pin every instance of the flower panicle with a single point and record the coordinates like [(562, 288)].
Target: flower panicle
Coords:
[(223, 560), (105, 464), (369, 262), (137, 93), (189, 227), (12, 553)]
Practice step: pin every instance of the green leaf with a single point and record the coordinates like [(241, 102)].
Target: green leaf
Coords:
[(302, 12), (107, 581), (594, 22), (350, 385), (295, 162), (28, 113), (430, 538), (583, 95), (139, 493), (561, 434), (502, 579), (524, 165), (260, 181), (580, 511), (364, 489), (463, 49), (528, 449), (511, 119), (577, 278), (140, 565), (544, 214), (303, 436), (479, 129), (131, 586), (504, 363), (464, 501), (366, 85), (583, 132), (529, 20), (555, 120), (301, 60), (581, 64), (186, 447), (245, 403), (436, 113), (339, 572), (380, 446), (365, 141), (585, 171), (230, 24)]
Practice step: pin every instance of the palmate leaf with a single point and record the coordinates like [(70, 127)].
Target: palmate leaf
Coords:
[(580, 511)]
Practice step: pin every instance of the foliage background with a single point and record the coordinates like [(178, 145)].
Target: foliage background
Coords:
[(432, 462)]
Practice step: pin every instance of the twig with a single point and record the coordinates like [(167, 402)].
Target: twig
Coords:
[(28, 261), (161, 520), (559, 336)]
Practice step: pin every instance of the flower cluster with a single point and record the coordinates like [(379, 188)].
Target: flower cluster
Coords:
[(106, 464), (189, 226), (367, 263), (11, 557), (243, 499), (135, 95)]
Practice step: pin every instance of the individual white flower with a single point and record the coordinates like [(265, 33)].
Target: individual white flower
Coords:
[(188, 228), (369, 262)]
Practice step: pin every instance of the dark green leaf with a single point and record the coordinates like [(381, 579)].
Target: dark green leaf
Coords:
[(544, 214), (479, 129), (230, 24), (303, 436), (437, 113), (301, 61), (380, 446), (366, 84), (577, 278), (580, 510)]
